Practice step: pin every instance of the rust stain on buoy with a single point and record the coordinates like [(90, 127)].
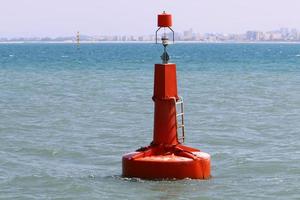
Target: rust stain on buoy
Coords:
[(166, 157)]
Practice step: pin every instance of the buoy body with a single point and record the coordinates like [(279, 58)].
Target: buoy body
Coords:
[(166, 157), (177, 162), (165, 94)]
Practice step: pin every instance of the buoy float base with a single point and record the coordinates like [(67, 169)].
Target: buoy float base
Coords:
[(167, 162)]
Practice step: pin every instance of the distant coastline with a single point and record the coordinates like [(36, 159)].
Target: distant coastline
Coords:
[(149, 42), (282, 35)]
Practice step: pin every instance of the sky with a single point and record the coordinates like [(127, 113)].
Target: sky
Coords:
[(40, 18)]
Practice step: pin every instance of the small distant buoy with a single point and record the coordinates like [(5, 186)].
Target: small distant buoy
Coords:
[(166, 157), (78, 38)]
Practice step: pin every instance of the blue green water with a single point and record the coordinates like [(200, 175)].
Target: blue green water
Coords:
[(68, 114)]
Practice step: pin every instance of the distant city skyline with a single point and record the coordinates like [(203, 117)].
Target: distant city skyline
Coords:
[(74, 34), (281, 34), (33, 18)]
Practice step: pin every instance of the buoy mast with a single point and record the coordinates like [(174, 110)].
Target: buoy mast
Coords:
[(78, 38)]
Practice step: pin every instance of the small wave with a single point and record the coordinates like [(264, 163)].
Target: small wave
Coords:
[(64, 56), (11, 55), (298, 55), (132, 179)]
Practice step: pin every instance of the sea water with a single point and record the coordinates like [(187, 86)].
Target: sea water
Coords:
[(68, 113)]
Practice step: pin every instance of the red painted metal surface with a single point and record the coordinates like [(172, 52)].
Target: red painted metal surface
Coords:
[(165, 90), (164, 20), (160, 162)]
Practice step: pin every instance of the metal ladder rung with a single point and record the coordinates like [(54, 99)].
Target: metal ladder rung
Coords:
[(179, 102), (180, 126), (179, 114)]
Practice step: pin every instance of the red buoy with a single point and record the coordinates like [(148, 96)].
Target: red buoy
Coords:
[(166, 156)]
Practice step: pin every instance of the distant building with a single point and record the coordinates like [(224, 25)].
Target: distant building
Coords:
[(188, 35), (268, 36), (140, 38), (294, 35), (254, 35), (199, 37), (276, 36), (284, 32)]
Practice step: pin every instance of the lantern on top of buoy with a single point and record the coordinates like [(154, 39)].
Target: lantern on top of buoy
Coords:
[(166, 157)]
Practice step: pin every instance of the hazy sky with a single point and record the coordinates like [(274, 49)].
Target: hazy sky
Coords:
[(98, 17)]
